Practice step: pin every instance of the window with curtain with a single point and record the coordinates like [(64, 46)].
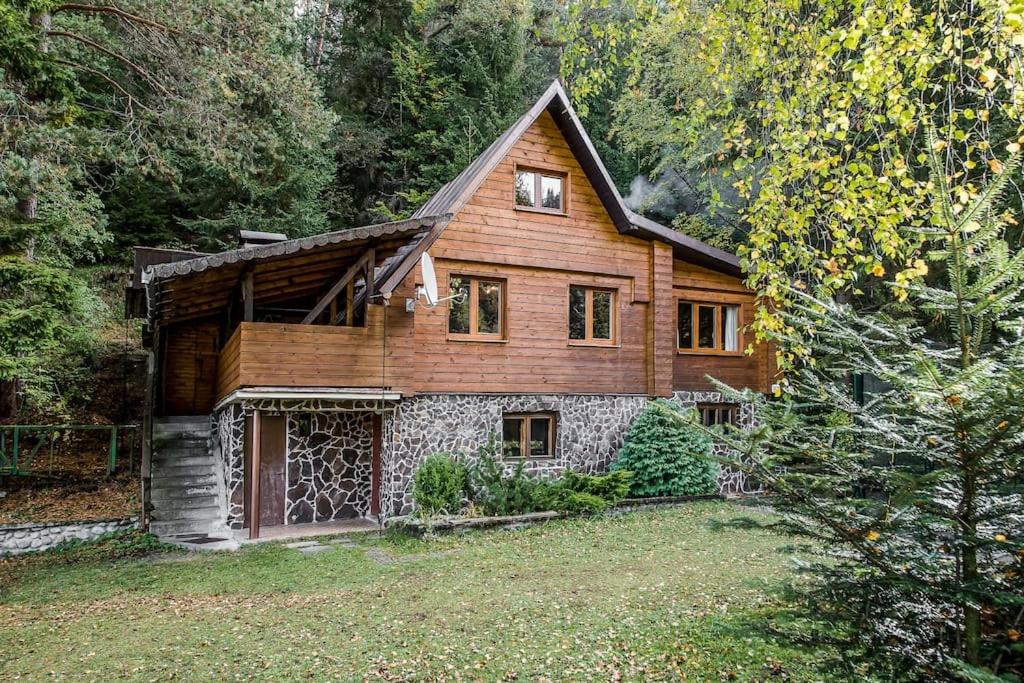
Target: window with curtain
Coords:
[(704, 327), (528, 436)]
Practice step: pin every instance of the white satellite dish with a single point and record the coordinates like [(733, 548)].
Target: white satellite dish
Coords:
[(429, 289)]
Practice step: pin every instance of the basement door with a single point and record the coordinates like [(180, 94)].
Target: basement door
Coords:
[(273, 439)]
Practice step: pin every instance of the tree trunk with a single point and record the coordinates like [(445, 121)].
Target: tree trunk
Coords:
[(8, 398)]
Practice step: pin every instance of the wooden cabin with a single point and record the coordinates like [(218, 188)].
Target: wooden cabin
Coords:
[(319, 363)]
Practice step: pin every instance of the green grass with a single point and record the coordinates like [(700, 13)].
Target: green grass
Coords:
[(671, 594)]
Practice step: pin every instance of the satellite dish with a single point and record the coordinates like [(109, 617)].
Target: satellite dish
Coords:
[(429, 289)]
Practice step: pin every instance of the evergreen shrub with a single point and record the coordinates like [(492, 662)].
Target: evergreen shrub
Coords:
[(667, 456), (438, 486)]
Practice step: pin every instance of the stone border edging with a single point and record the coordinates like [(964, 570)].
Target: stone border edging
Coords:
[(420, 527), (18, 539)]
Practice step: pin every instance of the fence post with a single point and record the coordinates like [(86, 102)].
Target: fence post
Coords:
[(112, 461), (14, 450)]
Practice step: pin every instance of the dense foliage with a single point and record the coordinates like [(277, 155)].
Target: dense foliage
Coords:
[(439, 485), (796, 128), (914, 504), (667, 456)]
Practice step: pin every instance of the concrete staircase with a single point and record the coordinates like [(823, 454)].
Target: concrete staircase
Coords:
[(187, 490)]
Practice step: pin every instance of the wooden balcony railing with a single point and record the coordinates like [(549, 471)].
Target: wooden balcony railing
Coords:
[(320, 356)]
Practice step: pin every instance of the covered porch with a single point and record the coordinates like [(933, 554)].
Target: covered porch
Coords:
[(296, 459)]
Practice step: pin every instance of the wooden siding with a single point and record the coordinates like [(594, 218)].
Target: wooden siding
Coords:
[(291, 355), (539, 255), (690, 370), (190, 368)]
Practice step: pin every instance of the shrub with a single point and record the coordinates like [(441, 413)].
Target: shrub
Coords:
[(498, 493), (611, 487), (558, 497), (438, 485), (667, 456)]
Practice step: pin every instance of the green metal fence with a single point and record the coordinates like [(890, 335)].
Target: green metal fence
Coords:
[(23, 446)]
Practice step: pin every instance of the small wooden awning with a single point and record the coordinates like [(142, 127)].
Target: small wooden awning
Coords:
[(203, 286)]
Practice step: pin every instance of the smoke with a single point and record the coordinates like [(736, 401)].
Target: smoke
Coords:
[(665, 198)]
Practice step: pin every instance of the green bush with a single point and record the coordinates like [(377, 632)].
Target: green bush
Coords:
[(611, 487), (667, 454), (438, 486), (557, 497), (498, 493)]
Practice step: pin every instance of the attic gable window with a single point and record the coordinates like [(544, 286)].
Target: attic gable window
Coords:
[(540, 190)]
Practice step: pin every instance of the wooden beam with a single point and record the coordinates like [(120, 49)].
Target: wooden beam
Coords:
[(410, 259), (336, 288)]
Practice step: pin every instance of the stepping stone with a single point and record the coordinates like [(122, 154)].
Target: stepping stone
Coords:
[(314, 549), (344, 542), (301, 544)]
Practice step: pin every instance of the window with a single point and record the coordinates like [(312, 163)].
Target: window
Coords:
[(478, 309), (542, 190), (707, 327), (712, 414), (528, 436), (591, 315)]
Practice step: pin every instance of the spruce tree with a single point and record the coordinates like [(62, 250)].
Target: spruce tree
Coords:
[(912, 506), (667, 454)]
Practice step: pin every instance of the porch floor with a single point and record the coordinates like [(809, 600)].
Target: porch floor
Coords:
[(284, 532)]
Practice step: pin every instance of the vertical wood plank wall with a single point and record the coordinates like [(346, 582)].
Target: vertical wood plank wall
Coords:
[(189, 367)]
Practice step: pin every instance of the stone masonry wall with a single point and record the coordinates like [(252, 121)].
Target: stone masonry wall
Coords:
[(18, 539), (329, 466), (329, 459), (589, 433), (229, 441)]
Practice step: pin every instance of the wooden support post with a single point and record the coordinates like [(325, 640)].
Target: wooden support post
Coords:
[(247, 297), (254, 478), (350, 302), (376, 446)]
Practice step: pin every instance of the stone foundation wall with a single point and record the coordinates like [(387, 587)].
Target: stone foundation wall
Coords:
[(18, 539), (589, 433), (329, 466), (329, 448)]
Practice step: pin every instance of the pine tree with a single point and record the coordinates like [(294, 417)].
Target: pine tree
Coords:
[(912, 506)]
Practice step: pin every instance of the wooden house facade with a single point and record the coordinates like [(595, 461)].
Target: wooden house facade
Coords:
[(325, 377)]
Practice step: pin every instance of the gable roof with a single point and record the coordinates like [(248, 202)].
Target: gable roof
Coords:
[(454, 195)]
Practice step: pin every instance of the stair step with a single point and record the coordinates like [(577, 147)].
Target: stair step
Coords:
[(173, 469), (183, 481), (185, 527), (176, 513), (160, 460), (199, 500), (180, 439), (165, 491)]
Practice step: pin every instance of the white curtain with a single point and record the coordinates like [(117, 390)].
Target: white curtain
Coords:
[(732, 323)]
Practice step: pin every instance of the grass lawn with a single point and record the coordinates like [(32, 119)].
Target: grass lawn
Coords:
[(669, 594)]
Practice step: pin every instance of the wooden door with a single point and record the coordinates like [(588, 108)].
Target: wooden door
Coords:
[(268, 495), (273, 480)]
